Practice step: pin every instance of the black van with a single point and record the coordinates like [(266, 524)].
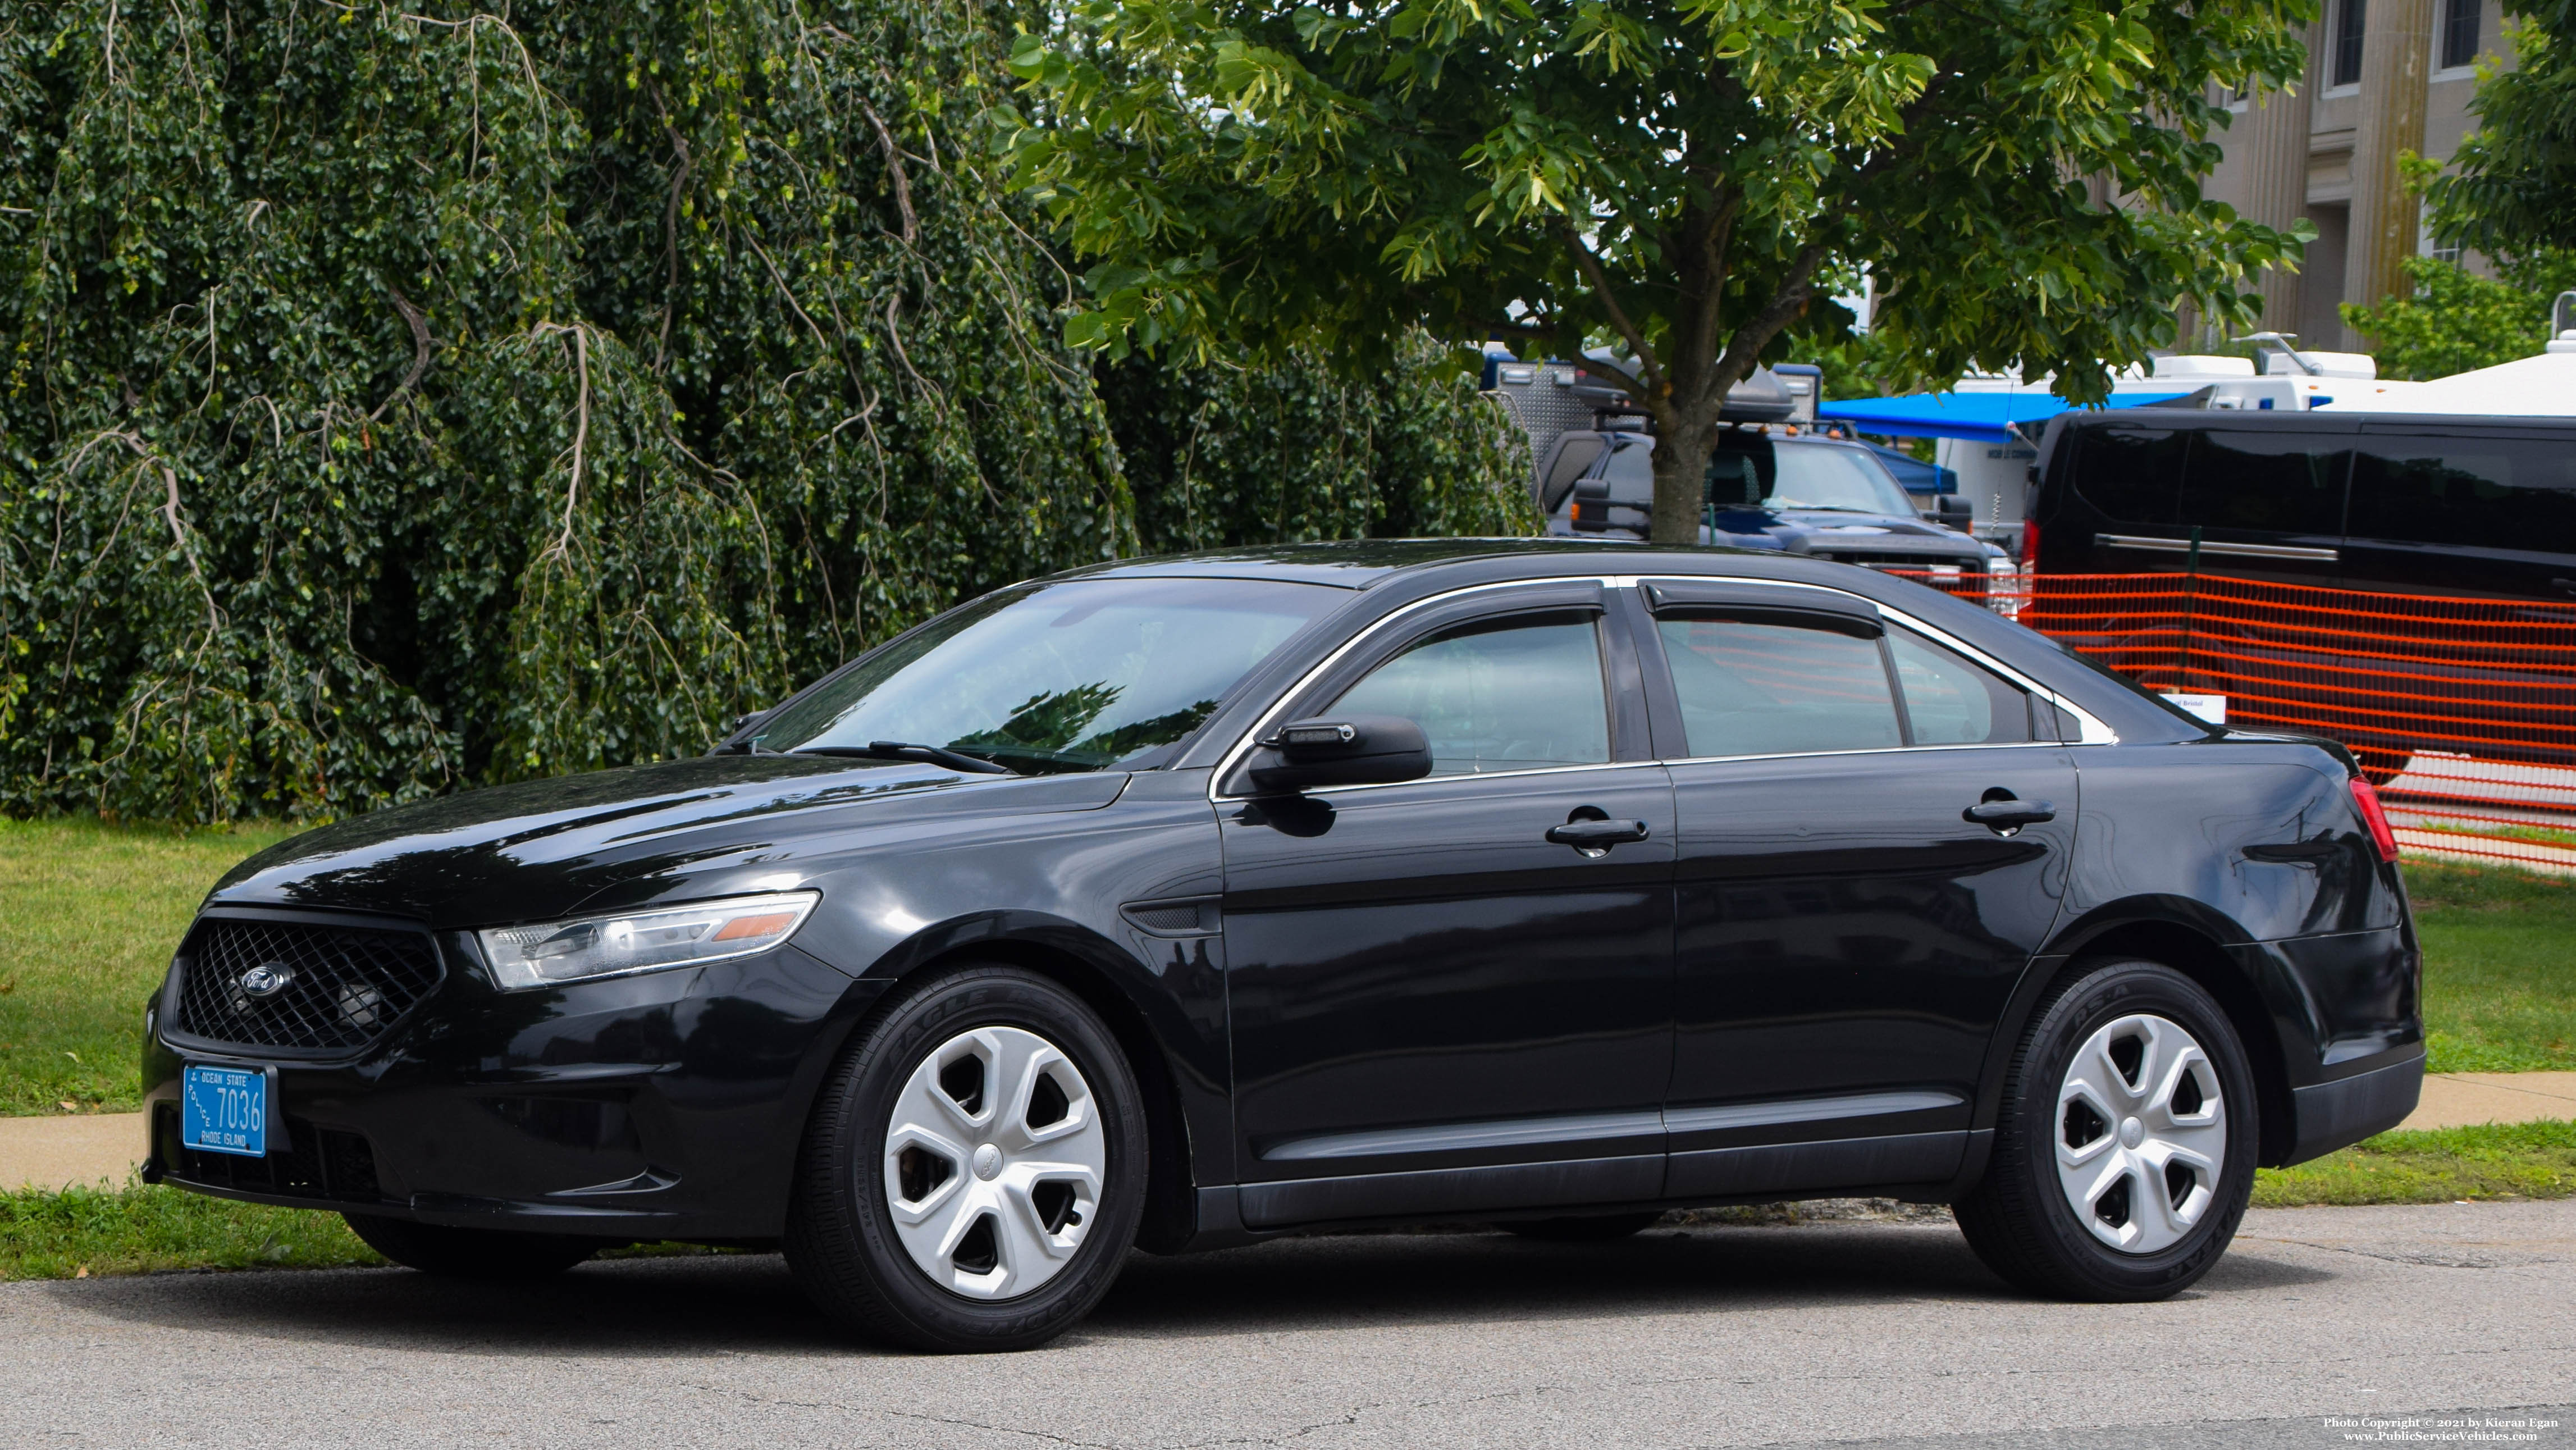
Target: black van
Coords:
[(2399, 504), (2410, 504)]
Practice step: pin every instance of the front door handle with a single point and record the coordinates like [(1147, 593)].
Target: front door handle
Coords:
[(2009, 814), (1593, 837)]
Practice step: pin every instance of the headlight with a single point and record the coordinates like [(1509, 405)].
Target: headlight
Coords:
[(643, 941)]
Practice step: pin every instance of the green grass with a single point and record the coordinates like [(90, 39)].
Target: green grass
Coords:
[(2445, 1165), (2499, 968), (91, 1232), (89, 914), (81, 1232)]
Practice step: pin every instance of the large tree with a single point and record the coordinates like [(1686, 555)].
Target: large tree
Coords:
[(1682, 179)]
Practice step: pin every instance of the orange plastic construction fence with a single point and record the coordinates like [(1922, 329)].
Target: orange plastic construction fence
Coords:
[(2463, 711)]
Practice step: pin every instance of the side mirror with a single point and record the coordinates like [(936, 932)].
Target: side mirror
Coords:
[(1339, 750), (1957, 512)]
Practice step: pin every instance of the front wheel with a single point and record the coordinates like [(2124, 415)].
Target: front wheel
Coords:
[(974, 1170), (2124, 1151)]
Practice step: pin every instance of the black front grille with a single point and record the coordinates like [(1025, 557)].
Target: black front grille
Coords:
[(300, 986), (322, 1163)]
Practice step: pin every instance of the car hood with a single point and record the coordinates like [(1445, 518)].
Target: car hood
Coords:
[(1828, 532), (1831, 523), (549, 847)]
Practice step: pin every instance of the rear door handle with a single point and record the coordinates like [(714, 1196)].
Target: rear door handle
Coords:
[(2006, 814), (1595, 835)]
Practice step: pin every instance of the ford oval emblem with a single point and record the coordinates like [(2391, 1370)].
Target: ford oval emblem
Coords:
[(266, 980)]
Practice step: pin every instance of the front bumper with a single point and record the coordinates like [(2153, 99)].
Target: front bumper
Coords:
[(665, 1105)]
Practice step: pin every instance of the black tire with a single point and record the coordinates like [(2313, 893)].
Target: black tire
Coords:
[(1596, 1228), (494, 1255), (842, 1241), (2022, 1222)]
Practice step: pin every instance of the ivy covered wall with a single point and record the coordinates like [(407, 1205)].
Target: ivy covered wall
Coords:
[(399, 399)]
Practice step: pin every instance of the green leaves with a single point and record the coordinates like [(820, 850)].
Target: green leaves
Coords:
[(412, 400), (2454, 320)]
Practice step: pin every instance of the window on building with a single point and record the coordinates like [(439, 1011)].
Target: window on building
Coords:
[(2347, 42), (2459, 32)]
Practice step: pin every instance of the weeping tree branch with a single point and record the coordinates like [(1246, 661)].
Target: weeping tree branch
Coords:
[(894, 165), (562, 546), (420, 350)]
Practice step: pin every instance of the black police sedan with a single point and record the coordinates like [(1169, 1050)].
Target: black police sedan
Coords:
[(1179, 902)]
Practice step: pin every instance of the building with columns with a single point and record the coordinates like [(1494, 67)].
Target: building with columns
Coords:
[(2384, 77)]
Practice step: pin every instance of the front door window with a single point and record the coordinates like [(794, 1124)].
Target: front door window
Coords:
[(1515, 694)]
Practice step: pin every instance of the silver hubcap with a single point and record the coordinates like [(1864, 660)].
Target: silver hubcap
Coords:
[(2141, 1132), (993, 1162)]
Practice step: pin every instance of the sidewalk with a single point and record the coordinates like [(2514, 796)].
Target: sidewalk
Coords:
[(73, 1149), (59, 1152), (2461, 1099)]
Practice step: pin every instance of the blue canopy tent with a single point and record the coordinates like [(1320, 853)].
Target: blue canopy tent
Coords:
[(1976, 417), (1916, 475)]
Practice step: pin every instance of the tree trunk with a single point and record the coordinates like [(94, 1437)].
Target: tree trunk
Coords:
[(1682, 448)]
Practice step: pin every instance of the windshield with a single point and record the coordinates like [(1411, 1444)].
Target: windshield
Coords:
[(1056, 677), (1820, 476)]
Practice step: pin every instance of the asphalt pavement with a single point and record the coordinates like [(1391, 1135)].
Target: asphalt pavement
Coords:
[(2321, 1325)]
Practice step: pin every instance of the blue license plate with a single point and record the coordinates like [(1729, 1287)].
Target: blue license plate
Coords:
[(224, 1110)]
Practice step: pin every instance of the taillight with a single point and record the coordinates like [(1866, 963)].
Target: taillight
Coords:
[(2029, 543), (2365, 797)]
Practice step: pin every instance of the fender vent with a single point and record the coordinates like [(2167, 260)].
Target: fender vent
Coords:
[(1181, 916)]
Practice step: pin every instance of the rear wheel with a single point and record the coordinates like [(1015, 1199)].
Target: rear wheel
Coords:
[(974, 1171), (2124, 1150), (470, 1253), (1598, 1228)]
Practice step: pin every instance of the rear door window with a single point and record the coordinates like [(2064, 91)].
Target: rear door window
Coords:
[(2131, 474), (1759, 686), (2263, 480), (2473, 491)]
